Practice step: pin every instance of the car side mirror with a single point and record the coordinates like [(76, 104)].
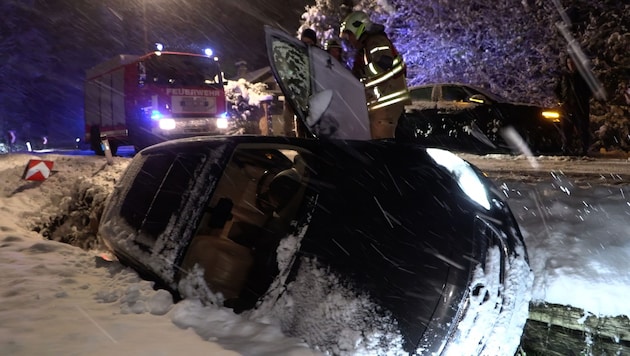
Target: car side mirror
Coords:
[(318, 104), (478, 99)]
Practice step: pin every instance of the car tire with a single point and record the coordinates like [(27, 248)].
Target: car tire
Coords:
[(95, 141), (113, 147)]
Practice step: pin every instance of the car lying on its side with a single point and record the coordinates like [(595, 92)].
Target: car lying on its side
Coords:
[(292, 227), (470, 119), (355, 246)]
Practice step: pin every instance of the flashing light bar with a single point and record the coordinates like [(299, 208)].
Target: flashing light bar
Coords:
[(208, 52), (156, 115)]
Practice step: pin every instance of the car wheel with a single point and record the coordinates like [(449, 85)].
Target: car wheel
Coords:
[(496, 292), (95, 141), (136, 136), (113, 147), (405, 130)]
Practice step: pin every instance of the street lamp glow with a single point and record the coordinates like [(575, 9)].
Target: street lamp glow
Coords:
[(159, 46), (208, 52)]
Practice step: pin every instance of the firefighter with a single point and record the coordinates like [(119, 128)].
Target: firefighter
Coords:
[(309, 36), (381, 69), (333, 47)]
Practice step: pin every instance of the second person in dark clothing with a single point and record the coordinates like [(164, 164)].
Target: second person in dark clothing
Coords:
[(333, 47)]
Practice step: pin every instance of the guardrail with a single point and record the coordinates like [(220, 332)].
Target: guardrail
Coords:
[(562, 330)]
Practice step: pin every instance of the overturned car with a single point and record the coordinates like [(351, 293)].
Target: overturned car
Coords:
[(406, 246), (355, 246)]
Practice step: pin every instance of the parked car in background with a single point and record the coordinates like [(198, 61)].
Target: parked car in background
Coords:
[(400, 248), (470, 119)]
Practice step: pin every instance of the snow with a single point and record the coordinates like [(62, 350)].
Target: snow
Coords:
[(573, 214), (58, 298), (578, 240)]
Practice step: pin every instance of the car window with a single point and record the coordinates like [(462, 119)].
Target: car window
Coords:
[(453, 93), (423, 93), (474, 90), (148, 206), (291, 61), (256, 199), (243, 193)]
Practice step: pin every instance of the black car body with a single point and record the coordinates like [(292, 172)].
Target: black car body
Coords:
[(389, 225), (466, 118), (355, 246)]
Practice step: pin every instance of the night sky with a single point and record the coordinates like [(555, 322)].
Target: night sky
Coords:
[(235, 28)]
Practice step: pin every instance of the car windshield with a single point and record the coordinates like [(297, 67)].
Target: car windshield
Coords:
[(173, 69), (471, 90)]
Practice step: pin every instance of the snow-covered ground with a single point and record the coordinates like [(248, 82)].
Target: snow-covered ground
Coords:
[(573, 213), (56, 298)]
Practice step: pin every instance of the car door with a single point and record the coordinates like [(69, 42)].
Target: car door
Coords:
[(422, 123), (468, 116), (323, 93), (256, 203), (439, 116), (155, 202), (453, 107)]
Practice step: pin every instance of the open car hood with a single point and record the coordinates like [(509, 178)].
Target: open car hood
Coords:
[(313, 82)]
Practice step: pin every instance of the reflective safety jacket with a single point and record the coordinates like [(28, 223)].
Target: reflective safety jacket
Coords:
[(381, 69)]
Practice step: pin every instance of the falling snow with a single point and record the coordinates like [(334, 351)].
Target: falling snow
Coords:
[(54, 294)]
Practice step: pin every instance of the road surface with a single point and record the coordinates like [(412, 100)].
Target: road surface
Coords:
[(601, 169)]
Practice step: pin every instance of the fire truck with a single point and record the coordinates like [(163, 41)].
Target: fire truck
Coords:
[(142, 100)]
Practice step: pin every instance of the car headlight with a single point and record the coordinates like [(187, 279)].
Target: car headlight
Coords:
[(552, 115), (466, 176)]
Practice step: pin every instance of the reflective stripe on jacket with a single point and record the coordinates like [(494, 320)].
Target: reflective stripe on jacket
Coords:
[(382, 71)]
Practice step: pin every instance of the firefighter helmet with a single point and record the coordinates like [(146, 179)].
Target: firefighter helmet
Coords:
[(356, 23), (332, 43)]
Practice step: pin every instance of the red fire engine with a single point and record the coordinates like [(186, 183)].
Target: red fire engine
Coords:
[(143, 100)]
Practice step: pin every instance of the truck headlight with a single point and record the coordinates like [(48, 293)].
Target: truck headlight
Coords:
[(222, 123), (166, 124)]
